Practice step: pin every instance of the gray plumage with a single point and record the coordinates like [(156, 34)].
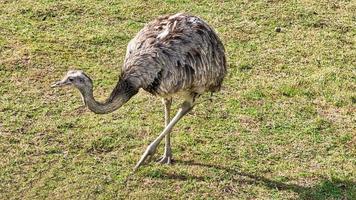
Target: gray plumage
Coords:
[(172, 55), (178, 53)]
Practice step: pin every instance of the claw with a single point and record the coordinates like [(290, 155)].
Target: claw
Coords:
[(150, 151), (165, 160)]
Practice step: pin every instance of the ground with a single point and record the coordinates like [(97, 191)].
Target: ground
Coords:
[(283, 126)]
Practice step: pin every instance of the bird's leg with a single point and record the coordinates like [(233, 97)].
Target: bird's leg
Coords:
[(151, 149), (167, 155)]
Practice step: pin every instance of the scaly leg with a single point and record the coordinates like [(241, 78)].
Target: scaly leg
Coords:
[(167, 155), (151, 149)]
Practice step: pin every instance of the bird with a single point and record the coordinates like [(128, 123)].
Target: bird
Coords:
[(174, 56)]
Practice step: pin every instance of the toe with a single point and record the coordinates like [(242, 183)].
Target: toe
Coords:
[(165, 160)]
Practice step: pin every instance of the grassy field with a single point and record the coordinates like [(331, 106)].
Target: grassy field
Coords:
[(283, 126)]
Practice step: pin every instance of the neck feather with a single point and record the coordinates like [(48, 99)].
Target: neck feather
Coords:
[(122, 92)]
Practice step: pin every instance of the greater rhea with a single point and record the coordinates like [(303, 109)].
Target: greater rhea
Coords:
[(177, 55)]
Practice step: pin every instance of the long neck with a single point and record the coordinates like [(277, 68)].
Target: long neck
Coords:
[(123, 91)]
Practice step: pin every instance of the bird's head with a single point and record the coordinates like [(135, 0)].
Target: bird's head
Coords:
[(76, 78)]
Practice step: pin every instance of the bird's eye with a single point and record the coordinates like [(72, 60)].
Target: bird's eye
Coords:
[(71, 79)]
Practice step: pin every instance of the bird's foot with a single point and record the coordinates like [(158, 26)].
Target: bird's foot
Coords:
[(150, 151), (166, 159)]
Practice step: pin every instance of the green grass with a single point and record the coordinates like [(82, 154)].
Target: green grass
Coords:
[(283, 127)]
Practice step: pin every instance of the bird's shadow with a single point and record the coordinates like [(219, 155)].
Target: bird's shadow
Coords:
[(326, 189)]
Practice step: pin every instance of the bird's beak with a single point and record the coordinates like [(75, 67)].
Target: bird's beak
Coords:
[(59, 83)]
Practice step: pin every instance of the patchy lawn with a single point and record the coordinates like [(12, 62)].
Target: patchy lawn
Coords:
[(283, 127)]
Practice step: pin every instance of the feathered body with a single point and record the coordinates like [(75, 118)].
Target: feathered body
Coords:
[(178, 54), (175, 54)]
